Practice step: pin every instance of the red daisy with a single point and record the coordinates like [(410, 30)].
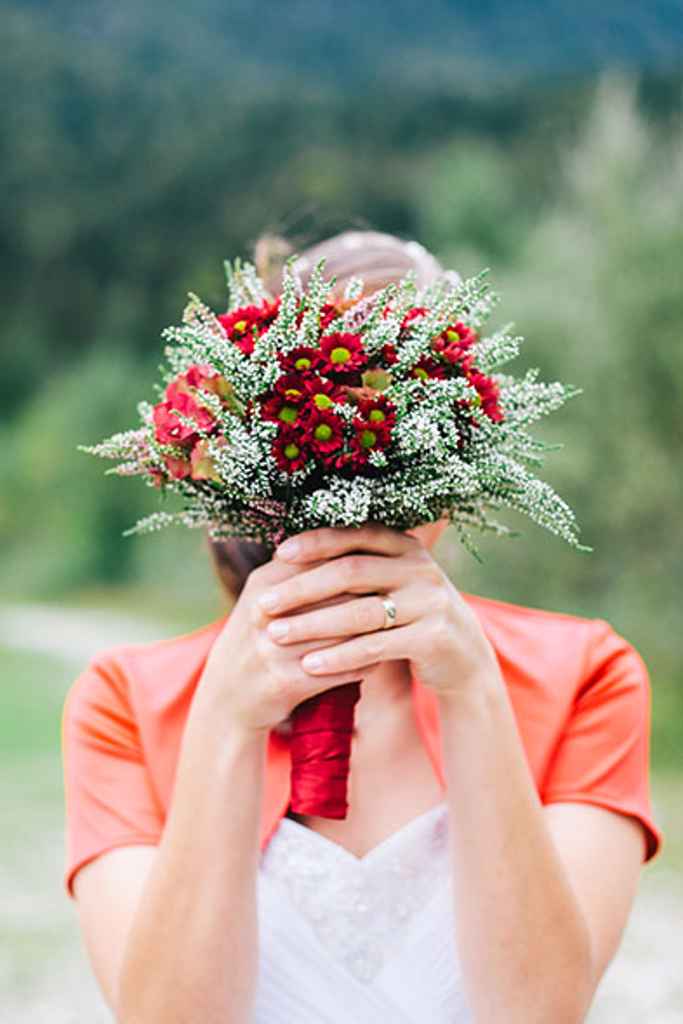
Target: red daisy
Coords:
[(324, 433), (328, 313), (241, 323), (302, 359), (343, 354), (427, 367), (368, 437), (377, 411), (323, 393), (285, 403), (488, 392), (292, 386), (370, 434), (454, 342), (290, 450), (389, 354), (413, 314)]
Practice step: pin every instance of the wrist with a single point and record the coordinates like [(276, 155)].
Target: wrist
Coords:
[(474, 695), (214, 713)]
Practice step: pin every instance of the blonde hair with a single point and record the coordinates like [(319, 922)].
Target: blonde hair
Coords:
[(376, 257)]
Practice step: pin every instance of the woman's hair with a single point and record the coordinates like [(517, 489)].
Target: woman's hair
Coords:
[(378, 259)]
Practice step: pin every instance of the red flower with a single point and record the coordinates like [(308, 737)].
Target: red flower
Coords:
[(488, 392), (368, 437), (323, 393), (241, 323), (454, 343), (378, 412), (328, 313), (302, 359), (178, 468), (324, 433), (427, 367), (343, 354), (167, 427), (389, 354), (281, 409), (290, 450), (292, 386), (412, 314)]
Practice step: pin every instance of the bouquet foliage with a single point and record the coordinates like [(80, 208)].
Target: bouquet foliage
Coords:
[(294, 411), (291, 412)]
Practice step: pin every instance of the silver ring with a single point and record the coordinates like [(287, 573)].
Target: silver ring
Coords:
[(389, 613)]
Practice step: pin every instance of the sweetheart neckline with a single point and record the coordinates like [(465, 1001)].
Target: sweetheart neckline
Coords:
[(380, 847)]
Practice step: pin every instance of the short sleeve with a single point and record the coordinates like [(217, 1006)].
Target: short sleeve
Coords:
[(602, 755), (108, 797)]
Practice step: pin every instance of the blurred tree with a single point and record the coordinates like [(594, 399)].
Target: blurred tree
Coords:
[(596, 289)]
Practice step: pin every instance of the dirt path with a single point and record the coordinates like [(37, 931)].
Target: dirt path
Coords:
[(73, 633)]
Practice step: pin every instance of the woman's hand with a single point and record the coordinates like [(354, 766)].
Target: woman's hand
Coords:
[(434, 629), (250, 679)]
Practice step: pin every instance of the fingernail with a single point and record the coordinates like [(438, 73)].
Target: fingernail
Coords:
[(313, 661), (268, 600), (289, 548), (278, 628)]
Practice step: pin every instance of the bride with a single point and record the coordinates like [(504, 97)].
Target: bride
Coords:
[(499, 807)]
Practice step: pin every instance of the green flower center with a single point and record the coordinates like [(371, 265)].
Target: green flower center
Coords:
[(323, 432), (376, 416), (420, 372), (291, 450), (302, 363), (322, 401), (288, 413), (292, 393), (452, 335), (368, 438), (340, 354), (240, 326)]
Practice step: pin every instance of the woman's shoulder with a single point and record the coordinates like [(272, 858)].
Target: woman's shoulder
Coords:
[(144, 676), (506, 620), (554, 647)]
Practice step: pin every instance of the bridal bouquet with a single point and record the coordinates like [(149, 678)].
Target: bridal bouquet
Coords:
[(294, 411)]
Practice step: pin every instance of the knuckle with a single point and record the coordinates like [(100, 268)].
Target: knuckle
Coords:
[(359, 616), (294, 589), (432, 574), (353, 567), (282, 682), (372, 648), (439, 601)]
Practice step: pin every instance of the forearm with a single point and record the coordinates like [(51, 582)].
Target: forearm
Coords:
[(521, 937), (191, 954)]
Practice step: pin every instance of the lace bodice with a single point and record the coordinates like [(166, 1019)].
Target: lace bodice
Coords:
[(374, 933)]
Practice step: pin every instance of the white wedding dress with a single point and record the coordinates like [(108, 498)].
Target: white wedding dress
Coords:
[(348, 940)]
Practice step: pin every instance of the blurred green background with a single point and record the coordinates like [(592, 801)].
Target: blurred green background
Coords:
[(144, 144)]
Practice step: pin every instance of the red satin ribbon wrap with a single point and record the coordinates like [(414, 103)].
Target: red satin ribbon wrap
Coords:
[(320, 746)]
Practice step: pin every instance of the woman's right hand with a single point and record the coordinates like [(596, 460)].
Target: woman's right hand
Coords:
[(252, 679)]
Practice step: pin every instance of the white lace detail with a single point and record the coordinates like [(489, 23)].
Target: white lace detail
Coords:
[(361, 908)]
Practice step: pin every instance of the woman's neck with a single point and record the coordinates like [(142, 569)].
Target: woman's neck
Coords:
[(386, 697)]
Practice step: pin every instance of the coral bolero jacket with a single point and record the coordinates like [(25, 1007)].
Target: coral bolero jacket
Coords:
[(579, 690)]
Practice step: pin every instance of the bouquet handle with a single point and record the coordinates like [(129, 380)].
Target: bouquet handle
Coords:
[(320, 746)]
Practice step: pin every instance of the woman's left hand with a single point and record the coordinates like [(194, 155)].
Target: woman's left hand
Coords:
[(434, 629)]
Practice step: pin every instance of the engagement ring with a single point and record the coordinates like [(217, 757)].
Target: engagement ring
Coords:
[(389, 612)]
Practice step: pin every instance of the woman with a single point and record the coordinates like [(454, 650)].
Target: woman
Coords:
[(499, 808)]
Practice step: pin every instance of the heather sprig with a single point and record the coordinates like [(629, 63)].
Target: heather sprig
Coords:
[(289, 412)]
